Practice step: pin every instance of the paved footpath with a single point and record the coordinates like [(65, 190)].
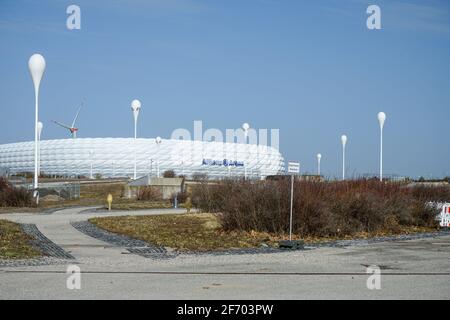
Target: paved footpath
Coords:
[(415, 269), (57, 227)]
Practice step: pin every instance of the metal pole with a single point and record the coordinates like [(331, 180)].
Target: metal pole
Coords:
[(246, 155), (157, 163), (39, 153), (343, 162), (292, 202), (36, 96), (135, 135), (36, 66), (381, 155), (318, 168)]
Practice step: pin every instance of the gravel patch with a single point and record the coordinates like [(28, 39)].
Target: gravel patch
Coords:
[(43, 261), (363, 242)]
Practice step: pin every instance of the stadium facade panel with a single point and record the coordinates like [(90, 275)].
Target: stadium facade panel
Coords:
[(114, 157)]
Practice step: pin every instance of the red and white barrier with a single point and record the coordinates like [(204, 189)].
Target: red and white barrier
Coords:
[(445, 215)]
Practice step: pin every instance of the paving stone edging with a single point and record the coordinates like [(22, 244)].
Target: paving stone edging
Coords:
[(53, 254), (149, 250), (135, 246), (44, 244)]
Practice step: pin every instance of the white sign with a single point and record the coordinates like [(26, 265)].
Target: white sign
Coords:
[(445, 216), (294, 167)]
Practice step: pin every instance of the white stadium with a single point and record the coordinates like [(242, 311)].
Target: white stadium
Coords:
[(115, 157)]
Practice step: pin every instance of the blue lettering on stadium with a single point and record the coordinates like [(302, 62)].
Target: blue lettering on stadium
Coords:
[(224, 162)]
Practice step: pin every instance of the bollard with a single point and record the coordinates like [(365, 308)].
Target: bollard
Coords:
[(188, 205), (109, 199)]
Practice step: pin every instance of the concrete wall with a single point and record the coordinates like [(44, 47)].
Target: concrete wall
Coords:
[(167, 186)]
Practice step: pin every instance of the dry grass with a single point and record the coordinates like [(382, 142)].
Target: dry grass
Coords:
[(14, 243), (94, 195), (139, 205), (199, 232), (101, 190), (118, 204), (203, 232)]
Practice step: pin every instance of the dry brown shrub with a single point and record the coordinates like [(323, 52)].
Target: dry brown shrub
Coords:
[(320, 208)]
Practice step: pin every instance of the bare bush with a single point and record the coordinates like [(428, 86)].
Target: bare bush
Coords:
[(181, 197), (319, 208), (149, 193), (13, 197), (169, 174)]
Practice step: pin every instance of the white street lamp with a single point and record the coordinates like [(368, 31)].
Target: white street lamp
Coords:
[(319, 156), (135, 107), (91, 153), (151, 167), (40, 127), (245, 127), (113, 169), (36, 65), (381, 119), (344, 142), (158, 143)]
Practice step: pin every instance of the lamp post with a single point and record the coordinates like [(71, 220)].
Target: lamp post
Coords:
[(245, 127), (319, 156), (344, 142), (135, 107), (381, 119), (40, 127), (36, 65), (151, 167), (91, 153), (158, 143), (113, 168)]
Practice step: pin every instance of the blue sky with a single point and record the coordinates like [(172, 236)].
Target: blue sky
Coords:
[(310, 68)]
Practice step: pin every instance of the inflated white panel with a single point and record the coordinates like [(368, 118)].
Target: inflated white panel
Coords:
[(115, 157)]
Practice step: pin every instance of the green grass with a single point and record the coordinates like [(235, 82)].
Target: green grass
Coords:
[(198, 232), (14, 243)]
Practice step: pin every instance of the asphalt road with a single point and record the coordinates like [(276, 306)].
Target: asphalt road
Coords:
[(414, 269)]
